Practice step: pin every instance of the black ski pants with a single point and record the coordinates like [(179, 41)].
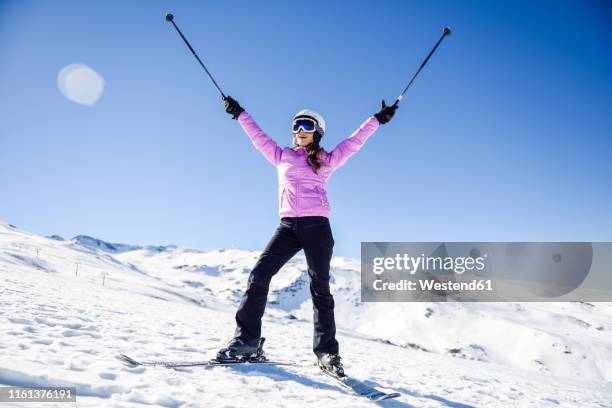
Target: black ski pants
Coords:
[(313, 234)]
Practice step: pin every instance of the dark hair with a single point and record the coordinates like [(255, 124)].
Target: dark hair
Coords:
[(313, 149)]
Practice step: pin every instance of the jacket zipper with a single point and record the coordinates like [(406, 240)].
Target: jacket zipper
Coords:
[(282, 198)]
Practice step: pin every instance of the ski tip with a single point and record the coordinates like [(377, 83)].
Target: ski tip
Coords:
[(388, 396), (127, 360)]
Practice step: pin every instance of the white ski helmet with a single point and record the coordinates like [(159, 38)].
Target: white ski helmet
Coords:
[(316, 116)]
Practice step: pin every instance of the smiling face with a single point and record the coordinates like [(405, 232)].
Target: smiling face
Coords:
[(303, 138)]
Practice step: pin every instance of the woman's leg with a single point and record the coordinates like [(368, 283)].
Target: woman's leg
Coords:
[(282, 246), (316, 237)]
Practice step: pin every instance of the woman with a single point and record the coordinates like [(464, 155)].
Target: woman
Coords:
[(303, 172)]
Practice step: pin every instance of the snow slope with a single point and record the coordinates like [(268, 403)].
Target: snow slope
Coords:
[(60, 326)]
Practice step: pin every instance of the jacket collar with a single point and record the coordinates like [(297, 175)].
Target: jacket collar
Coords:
[(300, 150)]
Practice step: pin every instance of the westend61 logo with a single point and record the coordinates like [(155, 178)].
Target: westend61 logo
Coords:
[(423, 263), (486, 271)]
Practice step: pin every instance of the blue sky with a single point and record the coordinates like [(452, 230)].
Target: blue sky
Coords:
[(505, 136)]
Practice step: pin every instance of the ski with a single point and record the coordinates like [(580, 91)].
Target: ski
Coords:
[(206, 363), (258, 358), (360, 388)]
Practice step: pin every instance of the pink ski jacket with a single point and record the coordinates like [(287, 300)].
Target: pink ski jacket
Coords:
[(301, 191)]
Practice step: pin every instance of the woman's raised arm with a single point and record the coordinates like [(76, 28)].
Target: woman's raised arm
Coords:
[(264, 143), (354, 142)]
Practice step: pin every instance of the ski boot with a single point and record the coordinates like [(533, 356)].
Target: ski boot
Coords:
[(240, 350), (331, 363)]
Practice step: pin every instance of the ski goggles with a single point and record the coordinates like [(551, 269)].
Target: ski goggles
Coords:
[(306, 124)]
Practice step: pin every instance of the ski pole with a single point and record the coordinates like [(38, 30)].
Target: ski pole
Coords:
[(170, 18), (446, 32)]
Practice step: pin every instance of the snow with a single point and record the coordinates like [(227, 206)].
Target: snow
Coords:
[(61, 326)]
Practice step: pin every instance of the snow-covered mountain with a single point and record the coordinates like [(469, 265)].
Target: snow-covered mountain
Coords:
[(113, 248), (68, 306), (95, 243)]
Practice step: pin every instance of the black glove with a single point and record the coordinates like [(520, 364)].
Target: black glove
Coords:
[(386, 113), (232, 107)]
